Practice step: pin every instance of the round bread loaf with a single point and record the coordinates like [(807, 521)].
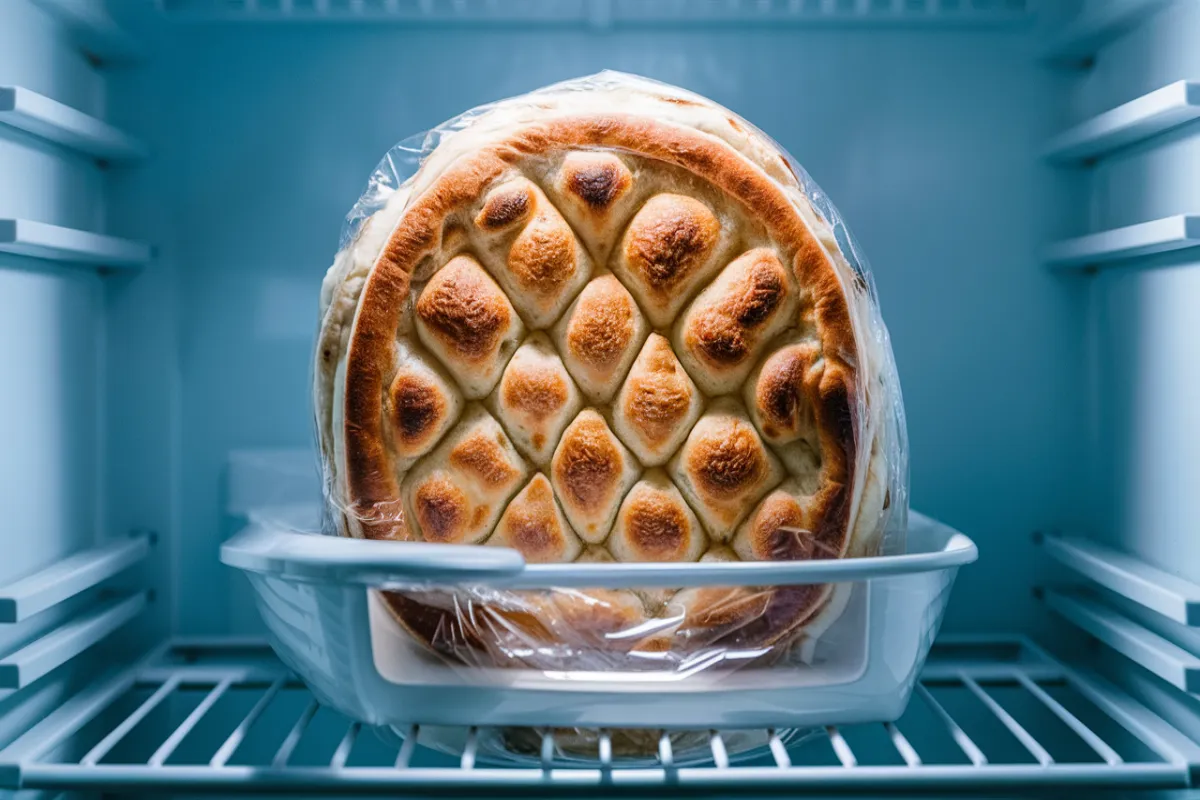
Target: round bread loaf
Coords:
[(606, 324)]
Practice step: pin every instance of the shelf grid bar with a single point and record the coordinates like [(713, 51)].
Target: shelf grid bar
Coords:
[(960, 736), (166, 748), (548, 751), (841, 747), (1023, 736), (1136, 720), (903, 746), (345, 746), (605, 749), (239, 733), (719, 753), (404, 757), (665, 755), (118, 733), (1102, 749), (1170, 745), (468, 756), (1168, 767), (778, 750), (294, 735), (62, 723), (451, 781)]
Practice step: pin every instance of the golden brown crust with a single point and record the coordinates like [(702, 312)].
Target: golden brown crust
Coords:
[(543, 257), (465, 319), (596, 191), (464, 309), (534, 392), (416, 407), (591, 471), (657, 529), (666, 248), (480, 457), (726, 327), (421, 405), (534, 525), (456, 492), (599, 336), (442, 511), (506, 205), (780, 395), (536, 398), (657, 404), (596, 179), (603, 325), (724, 468), (655, 524)]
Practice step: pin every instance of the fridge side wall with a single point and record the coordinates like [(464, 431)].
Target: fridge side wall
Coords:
[(52, 347)]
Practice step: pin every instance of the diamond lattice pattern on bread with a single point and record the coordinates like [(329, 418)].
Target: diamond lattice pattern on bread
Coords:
[(605, 336)]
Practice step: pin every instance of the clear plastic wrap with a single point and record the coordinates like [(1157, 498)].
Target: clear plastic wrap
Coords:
[(681, 144), (323, 601)]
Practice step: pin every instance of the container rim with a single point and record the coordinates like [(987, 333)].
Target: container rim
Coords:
[(271, 550)]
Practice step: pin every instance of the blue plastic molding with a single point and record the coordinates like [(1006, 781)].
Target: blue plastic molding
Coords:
[(55, 122)]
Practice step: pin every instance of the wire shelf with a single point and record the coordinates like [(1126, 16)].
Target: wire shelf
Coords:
[(223, 715), (606, 13)]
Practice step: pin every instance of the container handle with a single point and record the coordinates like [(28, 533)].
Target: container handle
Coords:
[(319, 558)]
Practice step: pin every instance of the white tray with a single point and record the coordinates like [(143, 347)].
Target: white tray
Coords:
[(317, 596)]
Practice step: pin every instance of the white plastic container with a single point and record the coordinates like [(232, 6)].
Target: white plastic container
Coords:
[(317, 596)]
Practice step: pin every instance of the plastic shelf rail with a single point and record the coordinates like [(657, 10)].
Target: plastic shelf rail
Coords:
[(60, 645), (42, 240), (77, 573), (55, 122), (1135, 121), (1135, 580), (1131, 639), (1123, 244)]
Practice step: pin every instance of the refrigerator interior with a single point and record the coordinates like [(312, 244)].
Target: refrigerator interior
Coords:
[(173, 178)]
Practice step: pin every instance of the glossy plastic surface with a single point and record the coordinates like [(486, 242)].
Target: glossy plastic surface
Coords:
[(333, 634)]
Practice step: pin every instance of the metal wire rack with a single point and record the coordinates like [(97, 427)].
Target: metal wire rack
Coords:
[(605, 13), (224, 715)]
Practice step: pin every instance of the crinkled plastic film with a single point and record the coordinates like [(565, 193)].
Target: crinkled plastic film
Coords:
[(629, 748), (564, 632)]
